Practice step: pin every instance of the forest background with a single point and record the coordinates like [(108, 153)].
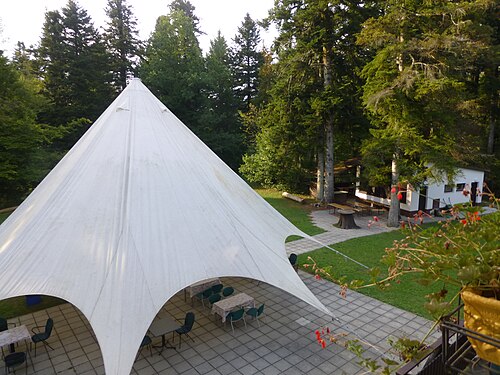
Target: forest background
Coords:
[(396, 84)]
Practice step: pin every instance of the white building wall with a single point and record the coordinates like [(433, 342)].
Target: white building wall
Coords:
[(436, 191)]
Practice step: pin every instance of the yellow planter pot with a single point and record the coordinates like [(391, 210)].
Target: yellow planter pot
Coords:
[(482, 315)]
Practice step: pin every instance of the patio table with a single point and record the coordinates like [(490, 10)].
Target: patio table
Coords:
[(200, 286), (224, 307), (163, 326), (14, 335)]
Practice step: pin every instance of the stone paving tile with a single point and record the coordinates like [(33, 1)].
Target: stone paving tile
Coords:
[(284, 344)]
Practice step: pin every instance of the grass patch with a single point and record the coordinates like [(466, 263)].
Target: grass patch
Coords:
[(4, 216), (295, 212), (407, 295), (16, 306)]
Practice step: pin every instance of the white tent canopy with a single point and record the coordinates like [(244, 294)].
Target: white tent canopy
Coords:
[(137, 210)]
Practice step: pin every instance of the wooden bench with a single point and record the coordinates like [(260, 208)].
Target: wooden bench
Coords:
[(338, 206)]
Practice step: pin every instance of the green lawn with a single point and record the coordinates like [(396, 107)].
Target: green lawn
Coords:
[(407, 295), (3, 216), (12, 307), (295, 212)]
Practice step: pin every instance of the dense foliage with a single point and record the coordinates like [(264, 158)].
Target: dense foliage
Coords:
[(402, 83)]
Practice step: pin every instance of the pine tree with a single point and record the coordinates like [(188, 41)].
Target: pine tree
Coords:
[(316, 73), (121, 37), (247, 61), (414, 89), (75, 69), (20, 137), (174, 67), (222, 126)]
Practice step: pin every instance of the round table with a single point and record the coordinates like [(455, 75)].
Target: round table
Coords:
[(346, 220)]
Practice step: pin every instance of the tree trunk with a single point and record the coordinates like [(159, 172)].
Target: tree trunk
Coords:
[(320, 176), (329, 180), (491, 136), (329, 160), (493, 118), (393, 219)]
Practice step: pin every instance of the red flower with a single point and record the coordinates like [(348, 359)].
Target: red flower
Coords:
[(317, 277), (323, 344), (400, 196), (375, 218), (464, 222), (393, 190)]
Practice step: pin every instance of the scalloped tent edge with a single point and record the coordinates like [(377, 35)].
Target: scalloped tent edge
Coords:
[(137, 210)]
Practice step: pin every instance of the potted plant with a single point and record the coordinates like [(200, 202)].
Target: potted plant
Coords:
[(463, 251)]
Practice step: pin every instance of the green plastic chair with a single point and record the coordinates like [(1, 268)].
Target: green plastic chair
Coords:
[(217, 288), (236, 316), (293, 261), (43, 336), (146, 341), (14, 360), (256, 312), (214, 298), (227, 291), (203, 296), (186, 328)]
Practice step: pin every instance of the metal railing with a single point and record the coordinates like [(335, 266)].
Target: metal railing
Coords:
[(453, 353)]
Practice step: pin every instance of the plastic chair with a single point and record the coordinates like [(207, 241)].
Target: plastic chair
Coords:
[(186, 328), (204, 295), (217, 288), (14, 360), (293, 261), (255, 313), (146, 341), (214, 298), (236, 316), (227, 291), (43, 336)]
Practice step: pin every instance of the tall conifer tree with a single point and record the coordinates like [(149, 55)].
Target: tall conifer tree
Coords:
[(74, 66), (122, 41), (247, 61)]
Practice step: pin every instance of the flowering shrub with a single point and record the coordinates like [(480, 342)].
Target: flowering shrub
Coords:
[(463, 250)]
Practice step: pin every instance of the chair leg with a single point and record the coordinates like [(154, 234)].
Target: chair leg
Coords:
[(232, 326), (244, 321), (180, 340), (46, 343), (258, 323)]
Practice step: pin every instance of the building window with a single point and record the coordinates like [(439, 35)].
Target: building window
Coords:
[(448, 188), (460, 186)]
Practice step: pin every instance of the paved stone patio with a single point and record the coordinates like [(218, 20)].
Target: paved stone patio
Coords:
[(284, 344)]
